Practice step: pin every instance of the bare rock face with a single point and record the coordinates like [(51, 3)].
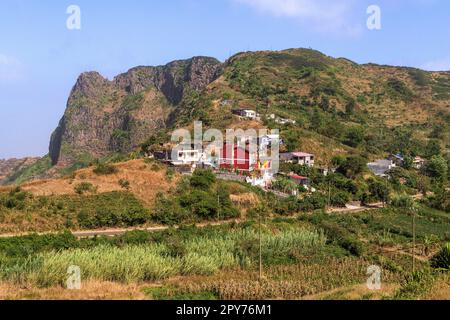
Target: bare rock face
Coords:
[(105, 116)]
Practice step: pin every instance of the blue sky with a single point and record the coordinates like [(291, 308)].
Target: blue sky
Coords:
[(40, 58)]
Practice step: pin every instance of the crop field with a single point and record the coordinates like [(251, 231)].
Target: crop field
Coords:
[(308, 256)]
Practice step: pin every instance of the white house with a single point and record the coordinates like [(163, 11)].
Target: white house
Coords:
[(418, 163), (246, 113), (250, 114), (187, 154)]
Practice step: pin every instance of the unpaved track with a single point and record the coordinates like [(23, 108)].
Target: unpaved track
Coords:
[(118, 232)]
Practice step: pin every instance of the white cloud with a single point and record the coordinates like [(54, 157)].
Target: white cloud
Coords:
[(11, 69), (438, 65), (322, 15)]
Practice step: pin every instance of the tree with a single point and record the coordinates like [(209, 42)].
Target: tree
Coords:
[(354, 136), (433, 148), (407, 162), (378, 190), (202, 179), (352, 166), (437, 169)]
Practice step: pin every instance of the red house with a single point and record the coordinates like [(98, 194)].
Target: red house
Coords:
[(234, 157)]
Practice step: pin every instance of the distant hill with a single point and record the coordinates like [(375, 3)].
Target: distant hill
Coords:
[(10, 166), (339, 106)]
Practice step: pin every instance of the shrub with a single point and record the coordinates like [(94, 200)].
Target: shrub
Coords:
[(112, 209), (442, 259), (342, 237), (105, 169), (403, 202), (84, 187), (340, 199), (415, 284), (125, 184), (170, 172), (202, 179), (315, 201)]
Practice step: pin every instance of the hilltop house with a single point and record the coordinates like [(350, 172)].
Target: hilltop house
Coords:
[(246, 113), (381, 167), (301, 158), (187, 154)]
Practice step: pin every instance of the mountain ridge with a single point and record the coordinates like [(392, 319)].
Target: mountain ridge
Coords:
[(327, 96)]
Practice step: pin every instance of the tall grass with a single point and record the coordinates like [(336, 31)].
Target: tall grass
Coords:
[(202, 255), (107, 263)]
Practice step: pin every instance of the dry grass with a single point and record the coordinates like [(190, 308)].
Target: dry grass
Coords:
[(91, 290), (299, 281), (144, 183), (356, 292), (245, 200)]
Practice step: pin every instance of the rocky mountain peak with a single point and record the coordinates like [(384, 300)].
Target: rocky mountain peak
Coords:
[(105, 116)]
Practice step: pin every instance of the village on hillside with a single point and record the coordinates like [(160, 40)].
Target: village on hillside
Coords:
[(238, 161)]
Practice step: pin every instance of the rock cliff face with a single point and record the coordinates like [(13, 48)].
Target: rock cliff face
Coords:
[(105, 116)]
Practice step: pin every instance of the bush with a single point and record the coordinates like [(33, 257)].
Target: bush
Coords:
[(403, 202), (340, 199), (315, 201), (202, 179), (342, 237), (125, 184), (442, 259), (15, 199), (84, 187), (105, 169), (112, 209)]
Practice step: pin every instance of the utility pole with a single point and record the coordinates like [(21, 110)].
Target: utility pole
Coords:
[(260, 248), (329, 194), (218, 206), (414, 238), (385, 193)]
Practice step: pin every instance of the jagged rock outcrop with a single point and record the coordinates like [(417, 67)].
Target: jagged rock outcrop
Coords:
[(105, 116)]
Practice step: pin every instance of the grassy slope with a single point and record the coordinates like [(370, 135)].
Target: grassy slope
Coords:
[(292, 83)]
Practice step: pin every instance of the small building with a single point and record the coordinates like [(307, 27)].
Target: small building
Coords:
[(300, 180), (187, 154), (246, 113), (397, 159), (381, 167), (301, 158), (418, 163)]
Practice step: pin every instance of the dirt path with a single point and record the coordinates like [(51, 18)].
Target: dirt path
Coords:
[(120, 231), (117, 232), (405, 253)]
